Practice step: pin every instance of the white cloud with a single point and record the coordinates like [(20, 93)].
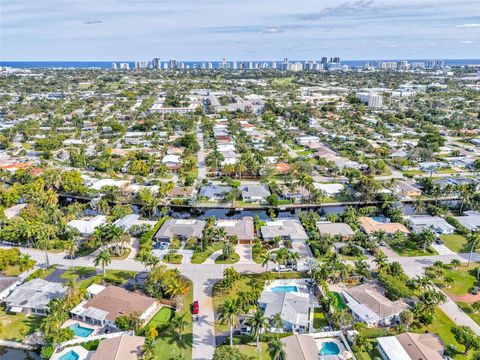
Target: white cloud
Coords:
[(469, 26), (466, 42)]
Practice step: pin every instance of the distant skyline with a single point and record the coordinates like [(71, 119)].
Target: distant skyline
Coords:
[(105, 30)]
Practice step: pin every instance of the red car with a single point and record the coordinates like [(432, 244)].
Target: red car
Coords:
[(196, 308)]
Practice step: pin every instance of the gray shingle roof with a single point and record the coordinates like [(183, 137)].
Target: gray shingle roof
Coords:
[(35, 294), (180, 227)]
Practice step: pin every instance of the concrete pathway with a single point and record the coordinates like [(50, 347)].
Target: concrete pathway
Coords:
[(213, 256), (202, 169)]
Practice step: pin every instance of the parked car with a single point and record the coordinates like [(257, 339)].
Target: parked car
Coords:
[(161, 245), (474, 290), (281, 268), (196, 308)]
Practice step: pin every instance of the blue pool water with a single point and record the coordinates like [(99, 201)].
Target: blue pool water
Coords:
[(71, 355), (284, 289), (80, 330), (329, 348)]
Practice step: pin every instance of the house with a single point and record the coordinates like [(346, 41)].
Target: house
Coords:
[(87, 227), (370, 226), (7, 285), (34, 296), (123, 347), (434, 223), (297, 195), (243, 229), (368, 304), (295, 309), (127, 221), (335, 229), (286, 229), (329, 189), (13, 211), (254, 193), (471, 220), (406, 189), (300, 347), (108, 303), (180, 228), (172, 161), (411, 346), (182, 192), (214, 192)]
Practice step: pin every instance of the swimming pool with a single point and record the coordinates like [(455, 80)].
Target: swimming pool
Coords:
[(71, 355), (329, 348), (80, 331), (284, 288)]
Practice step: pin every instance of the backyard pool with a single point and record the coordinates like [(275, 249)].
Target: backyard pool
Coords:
[(284, 288), (71, 355), (329, 348), (80, 331)]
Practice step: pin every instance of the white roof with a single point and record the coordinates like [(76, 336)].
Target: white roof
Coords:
[(108, 182), (392, 348), (88, 226), (329, 189), (171, 159), (95, 289), (13, 211)]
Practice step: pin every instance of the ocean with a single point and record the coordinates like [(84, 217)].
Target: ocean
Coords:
[(108, 64)]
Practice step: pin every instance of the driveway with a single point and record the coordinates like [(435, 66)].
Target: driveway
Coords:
[(202, 169), (245, 252), (56, 276), (305, 254)]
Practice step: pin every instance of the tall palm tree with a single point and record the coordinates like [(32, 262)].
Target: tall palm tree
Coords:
[(474, 243), (381, 260), (276, 350), (258, 322), (276, 321), (71, 247), (281, 256), (265, 259), (230, 310), (149, 349), (178, 324), (103, 259)]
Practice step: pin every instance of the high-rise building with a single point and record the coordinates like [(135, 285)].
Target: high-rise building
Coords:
[(173, 65), (435, 64), (114, 66), (370, 99), (142, 64), (324, 62), (157, 64), (124, 66)]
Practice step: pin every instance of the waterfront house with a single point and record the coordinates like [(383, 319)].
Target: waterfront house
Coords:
[(434, 223), (180, 228), (341, 230), (123, 347), (254, 193), (285, 229), (87, 227), (411, 346), (370, 226), (214, 192), (34, 296), (471, 220), (243, 229)]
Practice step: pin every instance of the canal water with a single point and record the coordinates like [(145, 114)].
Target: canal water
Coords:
[(16, 354)]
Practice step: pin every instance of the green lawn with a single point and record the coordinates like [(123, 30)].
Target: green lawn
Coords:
[(173, 258), (200, 257), (319, 319), (468, 310), (168, 345), (411, 249), (441, 326), (161, 319), (231, 260), (455, 242), (464, 278), (253, 353), (12, 271), (88, 276), (340, 304), (15, 327)]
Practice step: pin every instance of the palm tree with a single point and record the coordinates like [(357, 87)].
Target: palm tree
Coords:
[(258, 322), (71, 247), (276, 321), (103, 259), (149, 349), (229, 313), (276, 350), (265, 258), (25, 263), (281, 256), (474, 243), (178, 324), (381, 260), (227, 250), (426, 238)]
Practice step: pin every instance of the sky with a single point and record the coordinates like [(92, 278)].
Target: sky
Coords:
[(134, 30)]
